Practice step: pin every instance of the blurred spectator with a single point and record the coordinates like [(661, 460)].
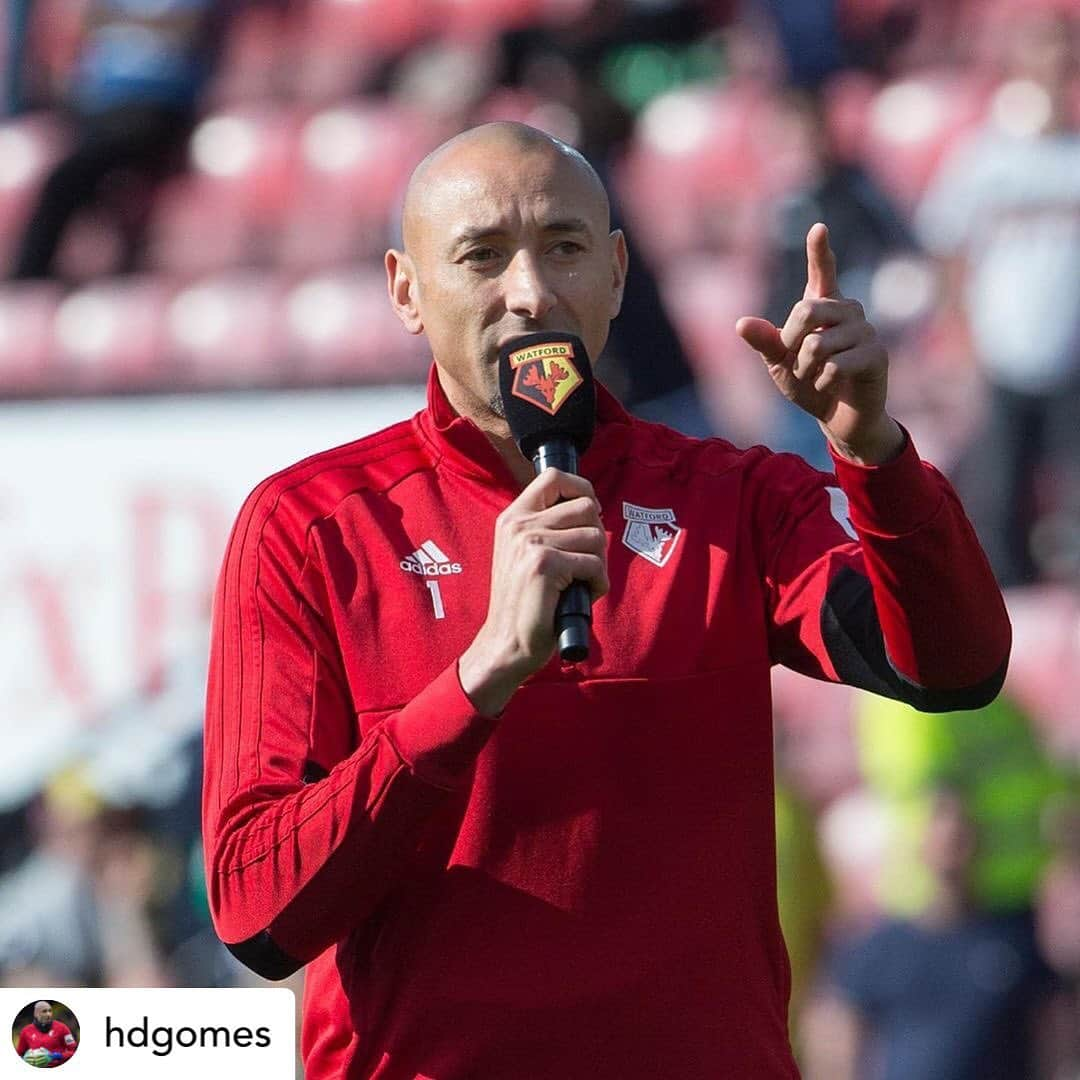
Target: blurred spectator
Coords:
[(865, 228), (82, 909), (1059, 932), (809, 35), (48, 909), (994, 755), (139, 71), (955, 994), (1005, 209)]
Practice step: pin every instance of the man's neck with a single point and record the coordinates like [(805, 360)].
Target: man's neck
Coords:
[(493, 426)]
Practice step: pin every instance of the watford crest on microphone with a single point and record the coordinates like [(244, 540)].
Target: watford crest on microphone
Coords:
[(653, 534), (545, 375)]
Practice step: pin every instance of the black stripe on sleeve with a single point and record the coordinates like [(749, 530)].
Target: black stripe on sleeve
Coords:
[(262, 955), (853, 639)]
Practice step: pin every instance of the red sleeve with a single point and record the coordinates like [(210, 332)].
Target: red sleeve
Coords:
[(22, 1046), (293, 866), (69, 1047), (876, 579)]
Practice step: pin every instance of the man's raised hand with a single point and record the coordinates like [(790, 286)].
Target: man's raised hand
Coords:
[(827, 359)]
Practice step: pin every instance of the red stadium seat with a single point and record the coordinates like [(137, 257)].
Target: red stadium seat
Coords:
[(259, 57), (341, 42), (353, 163), (225, 331), (380, 26), (27, 310), (705, 295), (340, 326), (248, 154), (486, 18), (108, 335), (226, 212), (525, 107), (1044, 668), (701, 164), (198, 228), (912, 122)]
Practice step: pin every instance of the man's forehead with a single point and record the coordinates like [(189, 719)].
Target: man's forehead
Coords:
[(490, 182)]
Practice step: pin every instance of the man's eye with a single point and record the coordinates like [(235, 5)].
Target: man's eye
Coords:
[(481, 254), (568, 247)]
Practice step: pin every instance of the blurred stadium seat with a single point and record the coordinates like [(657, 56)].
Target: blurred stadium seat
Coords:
[(486, 18), (1044, 670), (248, 153), (27, 310), (196, 228), (911, 122), (353, 161), (225, 331), (705, 295), (341, 42), (339, 326), (258, 58), (227, 211), (702, 162), (107, 336)]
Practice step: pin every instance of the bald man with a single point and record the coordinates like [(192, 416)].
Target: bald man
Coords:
[(45, 1043), (498, 866)]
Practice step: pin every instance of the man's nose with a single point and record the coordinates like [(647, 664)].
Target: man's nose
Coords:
[(528, 292)]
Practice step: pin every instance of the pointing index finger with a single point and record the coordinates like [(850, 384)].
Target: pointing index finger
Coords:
[(821, 281)]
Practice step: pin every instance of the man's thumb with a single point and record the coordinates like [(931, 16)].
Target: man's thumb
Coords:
[(760, 334)]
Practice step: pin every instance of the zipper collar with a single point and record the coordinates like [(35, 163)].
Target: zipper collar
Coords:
[(461, 446)]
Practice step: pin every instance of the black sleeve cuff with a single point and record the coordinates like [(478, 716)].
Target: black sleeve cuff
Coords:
[(853, 638), (263, 956)]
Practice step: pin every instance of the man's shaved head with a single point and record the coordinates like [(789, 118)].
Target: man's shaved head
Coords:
[(506, 231), (479, 147)]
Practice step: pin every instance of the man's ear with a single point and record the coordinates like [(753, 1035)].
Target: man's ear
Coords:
[(402, 287), (620, 260)]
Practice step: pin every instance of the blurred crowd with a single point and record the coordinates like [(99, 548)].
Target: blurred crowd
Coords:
[(196, 194)]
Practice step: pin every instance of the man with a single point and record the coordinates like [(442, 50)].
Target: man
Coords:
[(1003, 214), (137, 79), (498, 865), (46, 1043), (955, 994)]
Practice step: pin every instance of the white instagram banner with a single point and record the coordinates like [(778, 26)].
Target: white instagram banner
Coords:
[(103, 1034)]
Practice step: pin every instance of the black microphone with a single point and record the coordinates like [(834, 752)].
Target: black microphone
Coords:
[(549, 398)]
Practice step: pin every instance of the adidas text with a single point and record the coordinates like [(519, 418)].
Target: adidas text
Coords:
[(432, 569)]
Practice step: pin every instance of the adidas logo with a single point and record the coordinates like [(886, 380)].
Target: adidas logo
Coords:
[(429, 560)]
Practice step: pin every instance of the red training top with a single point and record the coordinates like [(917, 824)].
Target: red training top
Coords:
[(57, 1040), (584, 888)]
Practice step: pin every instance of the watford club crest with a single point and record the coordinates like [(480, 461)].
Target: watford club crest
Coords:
[(651, 533), (545, 375)]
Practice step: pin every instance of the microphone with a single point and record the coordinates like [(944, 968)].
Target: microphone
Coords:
[(549, 398)]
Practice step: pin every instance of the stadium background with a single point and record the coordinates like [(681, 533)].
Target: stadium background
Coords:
[(145, 390)]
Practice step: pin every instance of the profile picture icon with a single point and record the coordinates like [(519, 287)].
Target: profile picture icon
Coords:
[(45, 1034)]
